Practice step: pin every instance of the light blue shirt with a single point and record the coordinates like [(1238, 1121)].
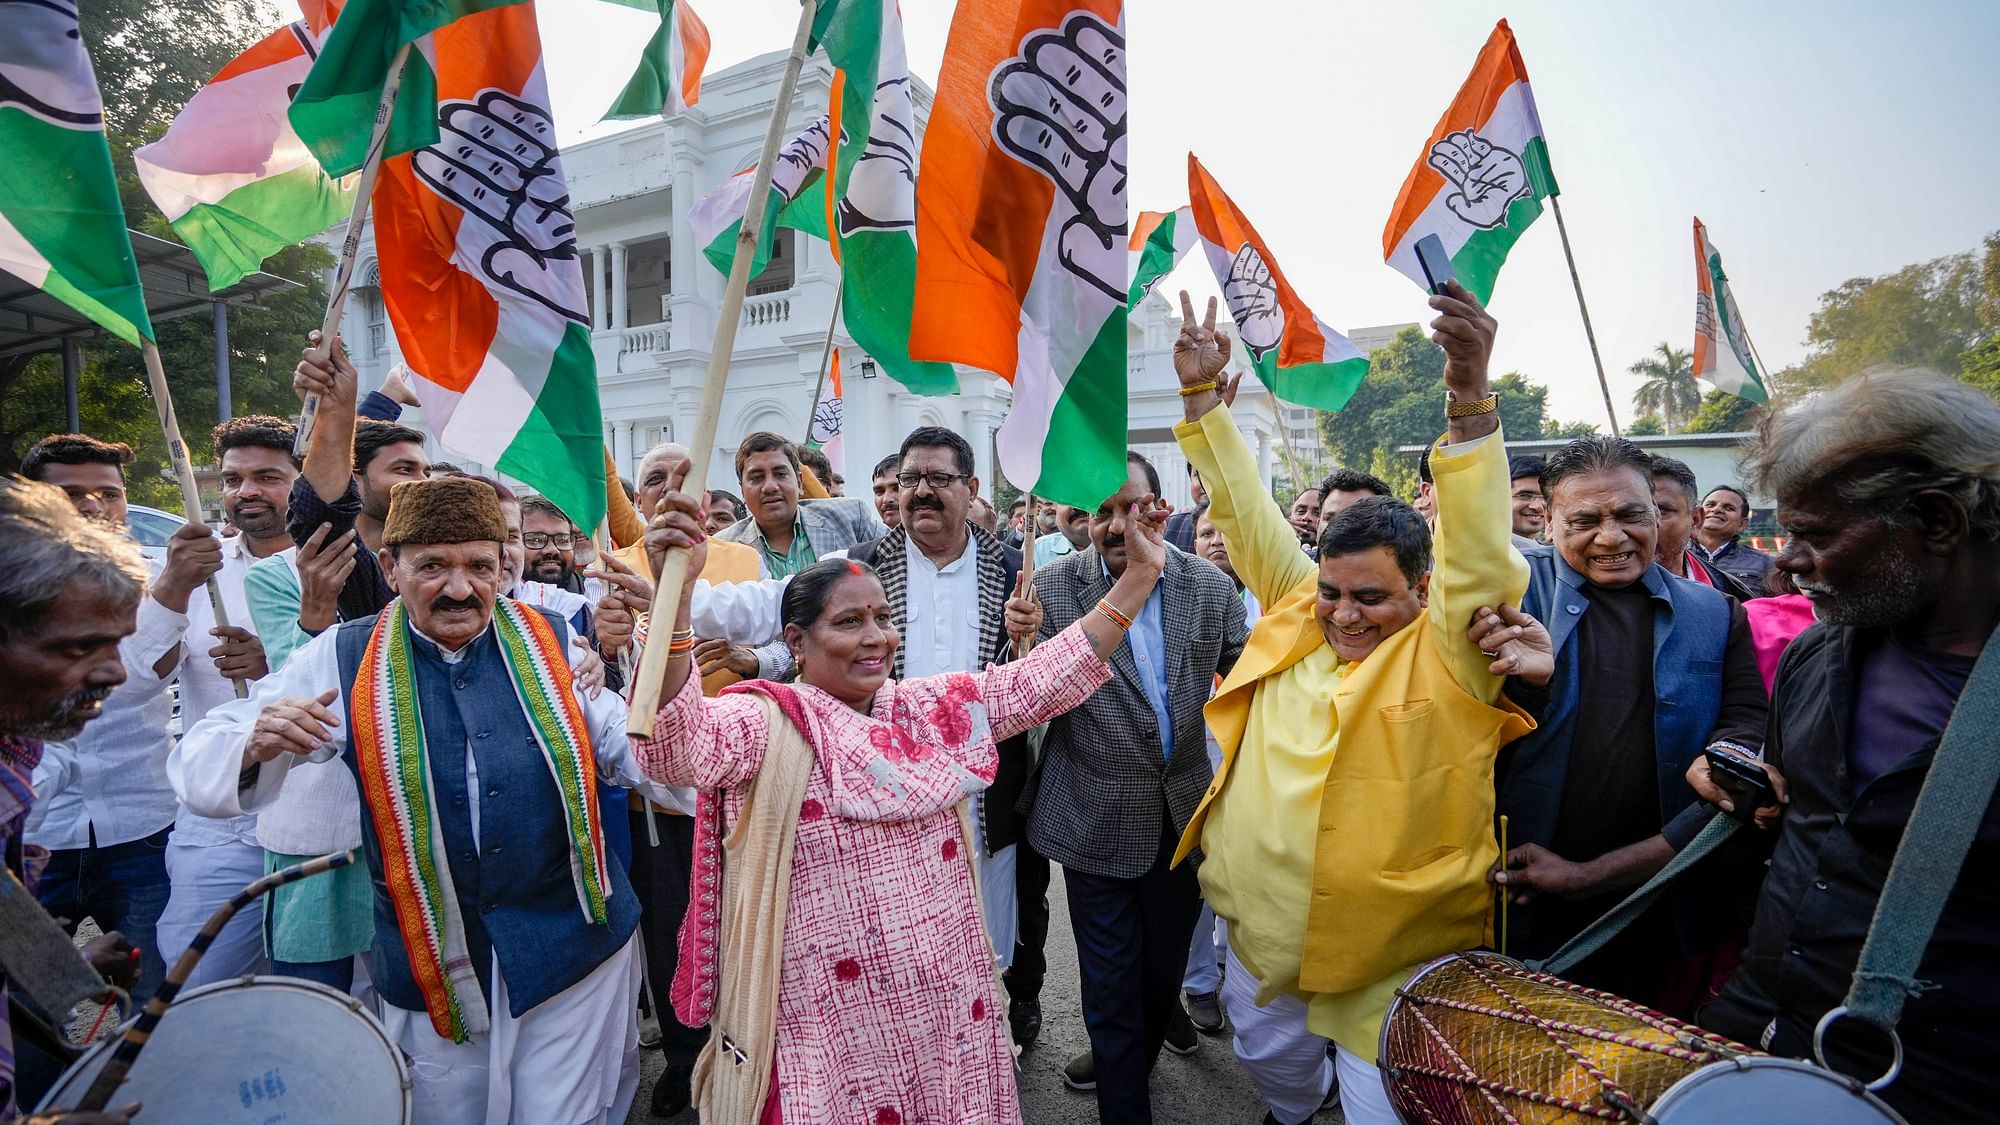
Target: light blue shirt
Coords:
[(1148, 641), (1051, 547)]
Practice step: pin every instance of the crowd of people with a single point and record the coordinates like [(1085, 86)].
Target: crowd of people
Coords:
[(1267, 746)]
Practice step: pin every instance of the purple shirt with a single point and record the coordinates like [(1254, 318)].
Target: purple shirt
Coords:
[(1902, 701)]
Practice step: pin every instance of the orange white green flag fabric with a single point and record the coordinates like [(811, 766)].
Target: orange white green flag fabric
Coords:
[(232, 177), (1022, 262), (1294, 353), (480, 270), (1482, 176), (62, 228), (716, 218), (828, 418), (668, 79), (1722, 352), (1159, 240)]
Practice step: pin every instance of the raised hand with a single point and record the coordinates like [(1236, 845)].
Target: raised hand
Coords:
[(1024, 612), (1517, 643), (1200, 352), (194, 555), (1252, 294), (1464, 329), (1485, 177), (1146, 535), (323, 569), (396, 386), (291, 726), (239, 655), (329, 375)]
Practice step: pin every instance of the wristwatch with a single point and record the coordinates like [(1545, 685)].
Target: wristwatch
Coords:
[(1456, 409)]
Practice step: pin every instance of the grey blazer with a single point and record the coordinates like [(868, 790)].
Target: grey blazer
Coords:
[(833, 524), (1104, 790)]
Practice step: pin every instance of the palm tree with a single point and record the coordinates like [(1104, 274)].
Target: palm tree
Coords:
[(1669, 390)]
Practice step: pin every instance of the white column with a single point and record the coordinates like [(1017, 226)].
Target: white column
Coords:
[(622, 450), (1264, 459), (617, 285), (690, 328), (593, 283)]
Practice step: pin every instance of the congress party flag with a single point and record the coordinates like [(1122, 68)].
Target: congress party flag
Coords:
[(62, 228), (1022, 264), (1296, 355), (827, 420), (1160, 239), (717, 218), (480, 272), (669, 76), (1482, 176), (870, 194), (1732, 366), (232, 177)]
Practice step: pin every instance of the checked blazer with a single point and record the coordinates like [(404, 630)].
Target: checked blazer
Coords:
[(1104, 789)]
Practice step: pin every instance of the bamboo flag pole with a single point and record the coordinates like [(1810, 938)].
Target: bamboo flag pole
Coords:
[(1028, 538), (1603, 384), (163, 401), (673, 570), (350, 247)]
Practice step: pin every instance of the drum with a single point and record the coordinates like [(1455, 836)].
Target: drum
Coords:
[(257, 1049), (1478, 1038)]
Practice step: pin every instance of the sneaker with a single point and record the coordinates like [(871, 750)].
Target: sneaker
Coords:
[(649, 1031), (1205, 1012), (1024, 1019), (1081, 1072), (1181, 1036), (1331, 1100)]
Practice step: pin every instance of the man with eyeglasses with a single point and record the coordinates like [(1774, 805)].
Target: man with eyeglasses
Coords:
[(546, 533), (1531, 508)]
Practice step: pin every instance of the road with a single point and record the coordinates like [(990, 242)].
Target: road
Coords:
[(1205, 1088)]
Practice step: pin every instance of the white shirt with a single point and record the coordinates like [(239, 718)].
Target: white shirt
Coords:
[(203, 688), (119, 788), (941, 613), (213, 749)]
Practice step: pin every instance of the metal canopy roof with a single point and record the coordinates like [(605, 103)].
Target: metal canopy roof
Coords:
[(32, 321)]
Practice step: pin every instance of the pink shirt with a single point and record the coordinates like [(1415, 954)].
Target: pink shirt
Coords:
[(1773, 624)]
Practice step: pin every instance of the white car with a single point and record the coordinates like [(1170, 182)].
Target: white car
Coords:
[(152, 528)]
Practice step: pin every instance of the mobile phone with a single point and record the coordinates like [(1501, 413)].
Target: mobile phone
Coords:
[(1748, 786), (1435, 262)]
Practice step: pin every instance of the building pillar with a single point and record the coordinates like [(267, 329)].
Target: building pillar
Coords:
[(593, 283), (683, 261), (1264, 459), (617, 285), (621, 450)]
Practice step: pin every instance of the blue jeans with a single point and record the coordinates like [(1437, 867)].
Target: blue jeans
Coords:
[(121, 887)]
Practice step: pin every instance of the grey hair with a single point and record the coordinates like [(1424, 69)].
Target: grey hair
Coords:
[(664, 449), (45, 545), (1878, 439)]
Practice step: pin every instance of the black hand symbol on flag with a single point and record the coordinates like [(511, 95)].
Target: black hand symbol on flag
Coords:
[(1488, 178)]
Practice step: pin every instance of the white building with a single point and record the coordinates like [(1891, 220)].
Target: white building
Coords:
[(654, 300)]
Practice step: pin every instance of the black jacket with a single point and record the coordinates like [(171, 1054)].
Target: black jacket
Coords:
[(1831, 857)]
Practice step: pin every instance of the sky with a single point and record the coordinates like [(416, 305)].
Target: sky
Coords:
[(1818, 141)]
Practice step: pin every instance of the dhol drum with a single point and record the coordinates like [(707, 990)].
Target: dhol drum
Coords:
[(257, 1049), (1477, 1038)]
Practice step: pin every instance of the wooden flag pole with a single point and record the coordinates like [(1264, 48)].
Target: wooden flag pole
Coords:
[(1028, 538), (825, 358), (673, 570), (1603, 384), (163, 401), (350, 247)]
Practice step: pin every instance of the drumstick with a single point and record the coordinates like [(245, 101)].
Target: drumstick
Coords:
[(1506, 892), (127, 1052)]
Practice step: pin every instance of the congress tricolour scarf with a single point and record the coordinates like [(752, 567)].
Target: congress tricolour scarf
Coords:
[(62, 228), (399, 791), (1160, 239), (1722, 352), (231, 175), (1022, 266), (1296, 355), (1482, 177), (480, 268)]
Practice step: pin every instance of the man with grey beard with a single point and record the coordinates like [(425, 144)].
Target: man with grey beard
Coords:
[(1888, 490)]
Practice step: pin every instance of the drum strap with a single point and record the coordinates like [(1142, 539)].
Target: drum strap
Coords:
[(1594, 936)]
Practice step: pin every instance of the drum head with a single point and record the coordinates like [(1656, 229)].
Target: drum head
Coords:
[(257, 1050), (1769, 1089)]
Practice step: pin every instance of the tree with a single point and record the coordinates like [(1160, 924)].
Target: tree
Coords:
[(1646, 425), (1923, 315), (1669, 390), (1724, 413), (1570, 431)]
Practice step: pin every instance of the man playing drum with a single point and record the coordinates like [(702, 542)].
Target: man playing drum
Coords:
[(1347, 835)]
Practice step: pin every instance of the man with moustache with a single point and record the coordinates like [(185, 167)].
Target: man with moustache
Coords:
[(1305, 518), (887, 495), (1719, 524), (1072, 533), (1673, 497), (549, 540)]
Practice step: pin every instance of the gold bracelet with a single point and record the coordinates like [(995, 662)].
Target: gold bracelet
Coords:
[(1455, 409), (1190, 392), (1117, 617)]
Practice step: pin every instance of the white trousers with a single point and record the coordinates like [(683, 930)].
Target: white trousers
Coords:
[(999, 902), (203, 879), (1204, 967), (571, 1060), (1288, 1063)]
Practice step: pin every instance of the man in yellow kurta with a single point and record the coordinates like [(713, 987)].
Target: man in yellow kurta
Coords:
[(1348, 833)]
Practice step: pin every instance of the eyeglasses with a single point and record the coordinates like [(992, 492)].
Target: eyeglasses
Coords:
[(535, 541), (939, 481)]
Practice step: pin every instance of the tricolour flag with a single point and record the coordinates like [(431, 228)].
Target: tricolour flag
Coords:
[(480, 273), (1717, 320), (828, 420), (669, 76), (870, 194), (1482, 176), (1160, 239), (230, 174), (1295, 354), (62, 228), (1022, 267), (717, 218)]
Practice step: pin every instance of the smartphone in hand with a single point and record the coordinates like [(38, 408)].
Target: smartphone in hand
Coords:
[(1435, 262)]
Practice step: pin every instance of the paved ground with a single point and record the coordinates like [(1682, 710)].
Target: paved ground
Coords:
[(1205, 1088)]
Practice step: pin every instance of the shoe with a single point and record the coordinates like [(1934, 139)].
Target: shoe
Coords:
[(1024, 1019), (649, 1031), (1205, 1012), (1181, 1036), (1332, 1099), (674, 1092), (1081, 1072)]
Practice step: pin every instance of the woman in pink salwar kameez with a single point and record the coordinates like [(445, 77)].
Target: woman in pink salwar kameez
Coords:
[(889, 1009)]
